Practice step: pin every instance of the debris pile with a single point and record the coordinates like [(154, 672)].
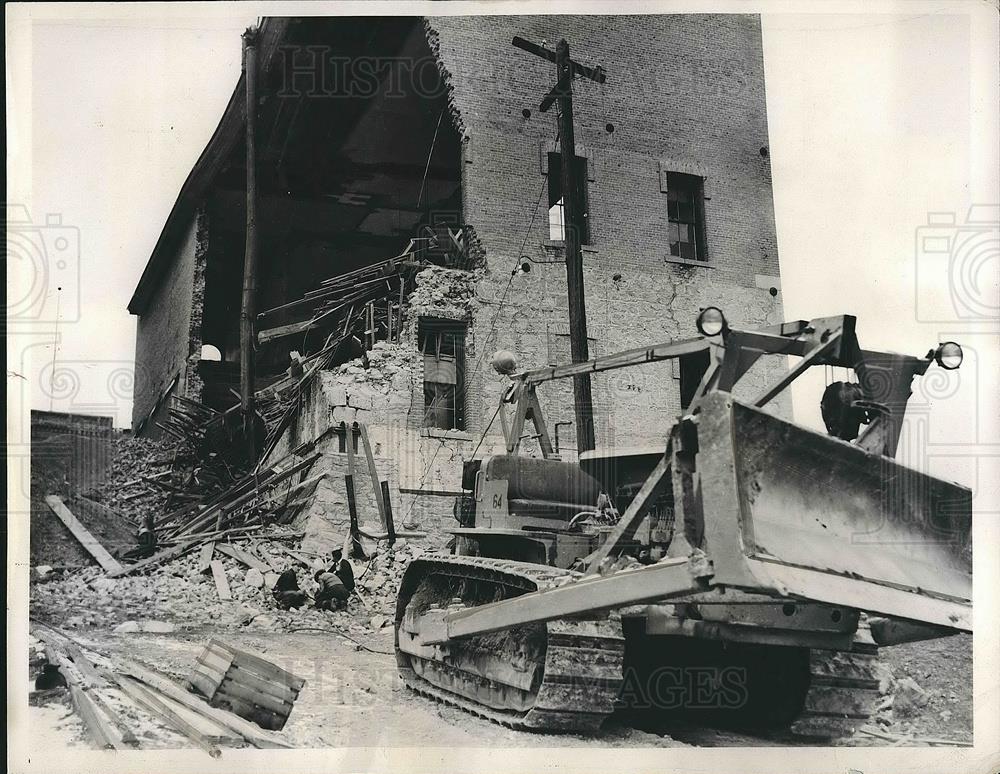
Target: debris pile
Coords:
[(184, 593), (441, 292), (123, 704), (136, 462)]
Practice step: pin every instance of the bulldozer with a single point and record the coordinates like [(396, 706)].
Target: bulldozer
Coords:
[(744, 573)]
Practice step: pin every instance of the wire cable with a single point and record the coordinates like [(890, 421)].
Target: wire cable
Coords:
[(493, 324), (341, 634)]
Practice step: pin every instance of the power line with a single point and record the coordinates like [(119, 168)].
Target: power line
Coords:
[(482, 354)]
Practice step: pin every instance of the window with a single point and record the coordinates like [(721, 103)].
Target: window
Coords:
[(442, 343), (686, 213), (557, 211)]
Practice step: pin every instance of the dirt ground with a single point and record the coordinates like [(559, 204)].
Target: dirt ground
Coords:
[(353, 697)]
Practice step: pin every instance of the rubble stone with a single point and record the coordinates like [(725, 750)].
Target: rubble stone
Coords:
[(909, 698), (254, 578)]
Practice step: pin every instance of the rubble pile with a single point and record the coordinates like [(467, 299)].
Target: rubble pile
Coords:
[(384, 371), (442, 292), (181, 595), (127, 489)]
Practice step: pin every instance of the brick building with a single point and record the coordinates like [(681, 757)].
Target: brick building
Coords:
[(373, 131)]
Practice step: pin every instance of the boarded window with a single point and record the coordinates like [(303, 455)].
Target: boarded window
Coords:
[(442, 343), (686, 216), (557, 210)]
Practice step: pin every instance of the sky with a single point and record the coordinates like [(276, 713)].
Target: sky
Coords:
[(875, 122)]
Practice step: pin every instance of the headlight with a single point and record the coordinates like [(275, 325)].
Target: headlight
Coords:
[(504, 362), (948, 355), (711, 321)]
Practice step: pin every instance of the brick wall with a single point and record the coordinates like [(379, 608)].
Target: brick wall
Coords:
[(685, 93), (163, 333)]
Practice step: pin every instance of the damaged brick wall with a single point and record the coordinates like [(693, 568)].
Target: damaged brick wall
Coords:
[(685, 93), (192, 381), (387, 396), (164, 332)]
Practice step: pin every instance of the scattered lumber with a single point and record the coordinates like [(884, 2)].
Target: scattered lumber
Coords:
[(158, 558), (255, 735), (104, 725), (248, 684), (158, 708), (82, 534)]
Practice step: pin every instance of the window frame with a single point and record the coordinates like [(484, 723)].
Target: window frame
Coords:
[(553, 170), (674, 181), (436, 329)]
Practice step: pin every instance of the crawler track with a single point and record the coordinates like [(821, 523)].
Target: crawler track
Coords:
[(561, 676), (843, 690), (564, 676)]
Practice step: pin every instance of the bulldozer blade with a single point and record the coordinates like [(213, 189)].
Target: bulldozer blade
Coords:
[(819, 514)]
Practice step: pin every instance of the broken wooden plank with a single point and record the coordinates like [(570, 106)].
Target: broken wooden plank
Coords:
[(242, 556), (304, 560), (82, 534), (257, 736), (163, 556), (221, 582), (126, 733), (205, 558), (97, 724), (145, 697), (280, 331), (373, 472)]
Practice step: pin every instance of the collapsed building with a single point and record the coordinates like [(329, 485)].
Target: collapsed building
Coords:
[(409, 215)]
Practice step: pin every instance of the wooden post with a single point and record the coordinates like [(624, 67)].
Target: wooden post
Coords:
[(572, 234), (373, 472), (352, 509), (390, 525), (247, 311), (573, 220)]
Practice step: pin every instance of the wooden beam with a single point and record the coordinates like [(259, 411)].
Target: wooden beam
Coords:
[(593, 73), (221, 582), (390, 525), (83, 536), (373, 472), (205, 557), (155, 559), (257, 736), (242, 556), (158, 708), (356, 549), (280, 331), (97, 724)]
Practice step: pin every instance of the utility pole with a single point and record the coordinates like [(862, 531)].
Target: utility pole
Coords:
[(248, 307), (562, 93)]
